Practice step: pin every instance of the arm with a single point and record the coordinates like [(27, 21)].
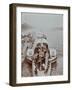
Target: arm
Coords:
[(46, 61)]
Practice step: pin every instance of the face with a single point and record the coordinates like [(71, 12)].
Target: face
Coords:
[(41, 50), (28, 41)]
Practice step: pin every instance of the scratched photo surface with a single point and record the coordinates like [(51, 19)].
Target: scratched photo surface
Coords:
[(41, 44)]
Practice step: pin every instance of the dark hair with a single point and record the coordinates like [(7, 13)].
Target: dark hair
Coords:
[(36, 49)]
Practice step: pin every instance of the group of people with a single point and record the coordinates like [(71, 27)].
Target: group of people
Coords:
[(36, 53)]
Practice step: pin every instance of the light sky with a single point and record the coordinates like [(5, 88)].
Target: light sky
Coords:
[(50, 24)]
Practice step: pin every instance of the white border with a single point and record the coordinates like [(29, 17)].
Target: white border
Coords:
[(63, 77)]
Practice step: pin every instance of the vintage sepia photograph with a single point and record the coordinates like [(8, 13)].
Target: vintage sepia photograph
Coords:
[(41, 44)]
